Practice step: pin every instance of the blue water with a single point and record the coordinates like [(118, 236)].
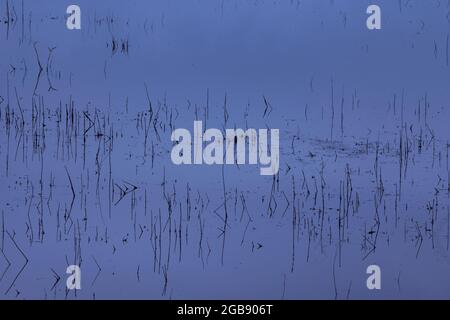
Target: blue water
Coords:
[(141, 227)]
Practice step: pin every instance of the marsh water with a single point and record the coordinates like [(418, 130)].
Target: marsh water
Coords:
[(86, 176)]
